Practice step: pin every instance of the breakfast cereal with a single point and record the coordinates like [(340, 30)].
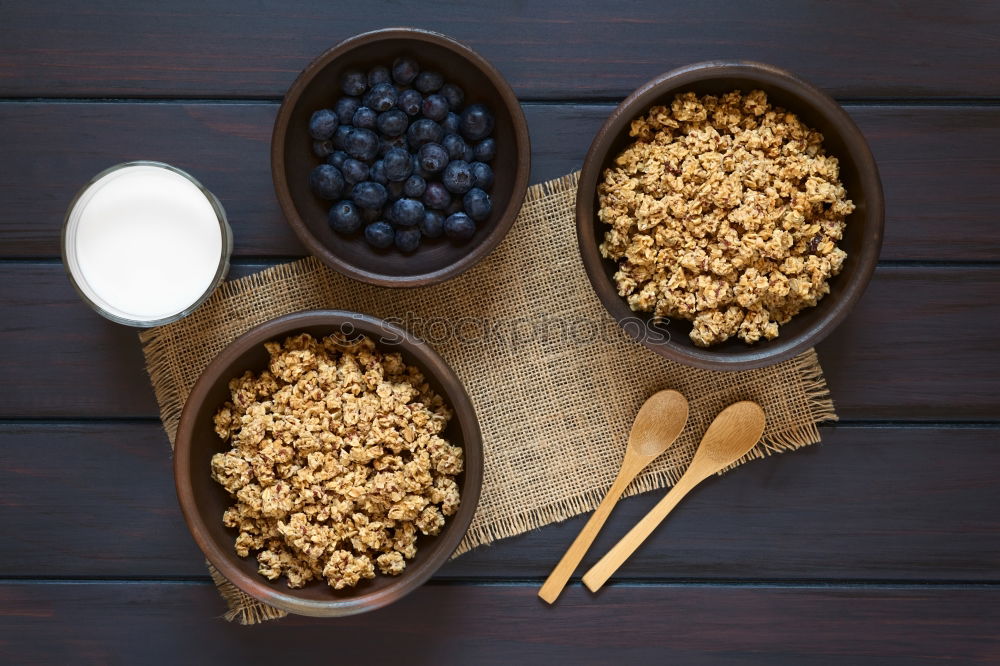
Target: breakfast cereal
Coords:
[(725, 211), (336, 462)]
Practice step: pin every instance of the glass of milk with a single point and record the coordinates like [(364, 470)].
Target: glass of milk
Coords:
[(145, 244)]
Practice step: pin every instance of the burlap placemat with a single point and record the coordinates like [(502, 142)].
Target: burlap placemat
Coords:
[(554, 380)]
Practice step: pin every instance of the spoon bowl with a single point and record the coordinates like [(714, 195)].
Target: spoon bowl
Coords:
[(657, 425), (730, 436)]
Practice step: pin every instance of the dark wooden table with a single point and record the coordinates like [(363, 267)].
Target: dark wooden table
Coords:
[(879, 546)]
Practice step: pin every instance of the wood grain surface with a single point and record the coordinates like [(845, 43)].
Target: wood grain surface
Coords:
[(915, 348), (941, 202), (869, 503), (879, 546), (143, 622), (552, 50)]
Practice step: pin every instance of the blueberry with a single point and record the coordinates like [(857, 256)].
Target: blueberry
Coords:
[(381, 98), (355, 171), (419, 170), (432, 225), (455, 146), (322, 124), (387, 143), (436, 196), (407, 212), (369, 195), (344, 217), (485, 150), (404, 70), (353, 83), (345, 108), (364, 118), (459, 226), (458, 177), (450, 123), (409, 101), (482, 175), (337, 158), (435, 107), (477, 204), (398, 164), (378, 172), (414, 187), (322, 149), (454, 95), (392, 122), (433, 157), (395, 190), (407, 240), (470, 154), (428, 82), (424, 131), (379, 234), (362, 144), (476, 122), (377, 75), (339, 139), (326, 181)]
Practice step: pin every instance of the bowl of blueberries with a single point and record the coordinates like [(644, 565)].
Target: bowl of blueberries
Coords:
[(400, 157)]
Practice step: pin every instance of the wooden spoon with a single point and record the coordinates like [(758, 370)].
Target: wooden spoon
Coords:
[(730, 436), (657, 425)]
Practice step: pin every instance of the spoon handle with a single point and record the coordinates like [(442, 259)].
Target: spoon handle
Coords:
[(608, 565), (556, 581)]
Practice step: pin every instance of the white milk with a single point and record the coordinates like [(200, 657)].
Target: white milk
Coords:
[(144, 243)]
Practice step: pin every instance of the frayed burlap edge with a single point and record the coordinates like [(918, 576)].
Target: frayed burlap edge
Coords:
[(243, 608)]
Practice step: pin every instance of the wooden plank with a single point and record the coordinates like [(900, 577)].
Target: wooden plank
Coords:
[(870, 503), (921, 345), (171, 623), (938, 166), (52, 150), (556, 49), (92, 500)]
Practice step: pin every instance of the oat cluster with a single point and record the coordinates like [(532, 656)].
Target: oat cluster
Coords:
[(337, 461), (725, 211)]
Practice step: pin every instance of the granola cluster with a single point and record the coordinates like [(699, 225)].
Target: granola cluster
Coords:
[(337, 461), (725, 211)]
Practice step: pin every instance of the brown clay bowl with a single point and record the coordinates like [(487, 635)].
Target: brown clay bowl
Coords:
[(862, 238), (318, 87), (203, 501)]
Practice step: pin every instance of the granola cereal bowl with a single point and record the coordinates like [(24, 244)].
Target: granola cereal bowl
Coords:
[(203, 500), (861, 227)]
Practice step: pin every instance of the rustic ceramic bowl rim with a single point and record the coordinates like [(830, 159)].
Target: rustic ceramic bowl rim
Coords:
[(821, 103), (478, 251), (224, 560)]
